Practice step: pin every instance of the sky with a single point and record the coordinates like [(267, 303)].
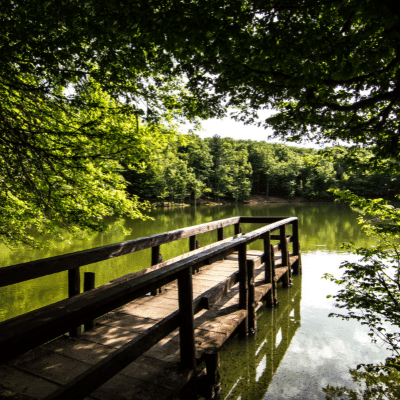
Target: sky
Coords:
[(227, 127)]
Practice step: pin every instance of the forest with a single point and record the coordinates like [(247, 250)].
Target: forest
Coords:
[(186, 168)]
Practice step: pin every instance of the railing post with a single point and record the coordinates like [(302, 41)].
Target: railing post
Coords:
[(274, 282), (88, 284), (220, 232), (252, 300), (156, 258), (243, 288), (192, 243), (296, 247), (285, 256), (186, 316), (237, 228), (268, 266), (74, 288)]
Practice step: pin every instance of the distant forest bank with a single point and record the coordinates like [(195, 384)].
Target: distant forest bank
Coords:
[(223, 170)]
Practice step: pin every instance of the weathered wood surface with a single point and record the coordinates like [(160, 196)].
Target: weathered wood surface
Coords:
[(156, 374)]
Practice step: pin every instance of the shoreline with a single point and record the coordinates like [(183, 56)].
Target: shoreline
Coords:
[(252, 200)]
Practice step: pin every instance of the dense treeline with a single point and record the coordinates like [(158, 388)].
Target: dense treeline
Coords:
[(191, 167)]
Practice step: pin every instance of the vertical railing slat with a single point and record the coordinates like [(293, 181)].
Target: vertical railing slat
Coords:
[(285, 256), (296, 248), (243, 288), (74, 288), (268, 277), (252, 301), (186, 324), (88, 284)]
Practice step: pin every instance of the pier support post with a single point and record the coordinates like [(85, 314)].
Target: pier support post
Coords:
[(74, 288), (186, 316), (88, 284), (243, 289), (213, 375), (220, 232)]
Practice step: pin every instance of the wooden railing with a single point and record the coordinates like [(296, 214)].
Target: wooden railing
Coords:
[(22, 333)]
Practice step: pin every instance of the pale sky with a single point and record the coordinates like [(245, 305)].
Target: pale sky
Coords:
[(227, 127)]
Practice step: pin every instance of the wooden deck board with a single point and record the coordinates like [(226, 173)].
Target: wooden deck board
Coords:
[(154, 375)]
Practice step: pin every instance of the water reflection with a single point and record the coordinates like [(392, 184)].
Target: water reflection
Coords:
[(248, 366)]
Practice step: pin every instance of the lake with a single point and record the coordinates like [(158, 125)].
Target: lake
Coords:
[(297, 350)]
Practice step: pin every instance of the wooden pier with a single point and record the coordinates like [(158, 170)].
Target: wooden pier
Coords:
[(147, 334)]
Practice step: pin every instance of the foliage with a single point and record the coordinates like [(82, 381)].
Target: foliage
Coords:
[(329, 68), (235, 169), (67, 175), (74, 92)]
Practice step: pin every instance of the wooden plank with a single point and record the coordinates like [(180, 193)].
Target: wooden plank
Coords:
[(130, 388), (102, 369), (96, 375), (24, 383), (172, 260), (260, 220)]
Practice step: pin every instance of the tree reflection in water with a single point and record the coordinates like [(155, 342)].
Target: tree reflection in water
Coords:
[(251, 363), (375, 382)]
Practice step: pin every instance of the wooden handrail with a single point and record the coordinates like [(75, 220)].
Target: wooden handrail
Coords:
[(38, 268)]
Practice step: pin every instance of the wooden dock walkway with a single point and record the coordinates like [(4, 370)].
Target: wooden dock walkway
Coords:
[(144, 346)]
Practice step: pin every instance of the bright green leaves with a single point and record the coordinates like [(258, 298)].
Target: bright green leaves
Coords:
[(59, 164)]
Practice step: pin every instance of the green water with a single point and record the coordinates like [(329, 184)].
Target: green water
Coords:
[(297, 349)]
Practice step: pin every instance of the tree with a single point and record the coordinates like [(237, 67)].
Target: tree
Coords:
[(330, 68)]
